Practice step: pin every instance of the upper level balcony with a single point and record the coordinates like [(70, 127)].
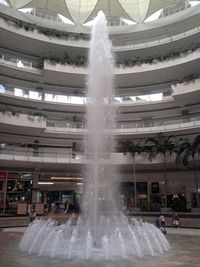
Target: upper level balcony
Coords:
[(186, 93), (169, 101), (170, 70), (57, 159), (16, 66), (121, 35), (59, 156), (20, 95), (136, 128), (29, 125)]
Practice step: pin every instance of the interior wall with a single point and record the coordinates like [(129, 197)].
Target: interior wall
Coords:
[(176, 181)]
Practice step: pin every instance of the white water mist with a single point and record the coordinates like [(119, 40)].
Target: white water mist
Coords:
[(100, 177)]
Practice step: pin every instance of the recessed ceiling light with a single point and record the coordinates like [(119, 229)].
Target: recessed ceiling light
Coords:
[(45, 183)]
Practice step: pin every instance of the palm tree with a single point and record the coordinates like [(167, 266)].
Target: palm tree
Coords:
[(161, 145), (128, 146), (187, 150)]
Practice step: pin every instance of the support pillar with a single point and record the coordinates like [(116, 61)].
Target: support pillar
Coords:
[(148, 194), (5, 193), (34, 188), (188, 197)]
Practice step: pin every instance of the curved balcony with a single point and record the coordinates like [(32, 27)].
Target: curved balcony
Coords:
[(23, 123), (136, 107), (158, 72), (17, 63), (50, 160), (138, 75), (14, 66), (175, 127), (62, 156), (48, 97), (133, 128), (187, 93), (59, 157), (165, 95), (128, 33), (126, 46), (18, 157), (129, 46)]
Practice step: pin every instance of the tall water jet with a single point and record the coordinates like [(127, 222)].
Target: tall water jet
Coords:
[(100, 174), (102, 231)]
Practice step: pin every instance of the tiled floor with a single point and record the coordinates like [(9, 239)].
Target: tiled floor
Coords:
[(185, 247)]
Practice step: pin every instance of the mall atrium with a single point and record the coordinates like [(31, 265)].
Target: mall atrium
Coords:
[(43, 85)]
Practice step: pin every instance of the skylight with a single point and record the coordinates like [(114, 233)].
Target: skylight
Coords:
[(194, 3), (156, 97), (65, 20), (89, 23), (26, 10), (4, 2), (154, 16), (128, 22)]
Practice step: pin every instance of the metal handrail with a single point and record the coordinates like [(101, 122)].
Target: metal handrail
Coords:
[(135, 126), (77, 100), (18, 62), (31, 152)]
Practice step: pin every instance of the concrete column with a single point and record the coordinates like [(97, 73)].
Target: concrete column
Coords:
[(188, 196), (198, 190), (35, 186), (148, 193), (5, 192)]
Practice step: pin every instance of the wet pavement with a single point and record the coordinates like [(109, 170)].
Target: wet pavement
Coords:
[(184, 252)]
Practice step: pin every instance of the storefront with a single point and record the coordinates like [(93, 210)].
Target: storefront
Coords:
[(15, 188)]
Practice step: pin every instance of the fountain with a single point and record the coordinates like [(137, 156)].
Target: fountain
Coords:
[(102, 231)]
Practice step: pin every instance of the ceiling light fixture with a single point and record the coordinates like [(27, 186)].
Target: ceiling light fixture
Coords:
[(66, 178), (45, 183)]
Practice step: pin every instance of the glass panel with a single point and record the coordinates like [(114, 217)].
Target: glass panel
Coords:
[(61, 98), (18, 92), (33, 95), (2, 89), (48, 97)]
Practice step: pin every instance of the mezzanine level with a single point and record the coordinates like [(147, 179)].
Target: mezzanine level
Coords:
[(29, 125)]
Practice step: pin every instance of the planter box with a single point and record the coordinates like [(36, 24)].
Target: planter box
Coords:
[(22, 208), (39, 208)]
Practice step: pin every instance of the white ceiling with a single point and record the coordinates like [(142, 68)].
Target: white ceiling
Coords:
[(81, 11)]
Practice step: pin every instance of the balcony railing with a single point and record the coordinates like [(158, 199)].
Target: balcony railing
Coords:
[(45, 15), (41, 95), (138, 126), (16, 150), (128, 44), (18, 62), (66, 124), (173, 9), (164, 124)]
